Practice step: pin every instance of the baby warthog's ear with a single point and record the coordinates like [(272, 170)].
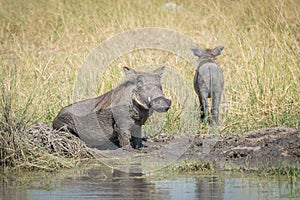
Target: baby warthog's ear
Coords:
[(197, 52), (129, 73), (159, 71), (217, 51)]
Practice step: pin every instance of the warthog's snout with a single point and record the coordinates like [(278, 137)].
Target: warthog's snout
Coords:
[(161, 104)]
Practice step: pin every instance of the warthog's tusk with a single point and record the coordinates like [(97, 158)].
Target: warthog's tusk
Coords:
[(149, 99), (140, 103)]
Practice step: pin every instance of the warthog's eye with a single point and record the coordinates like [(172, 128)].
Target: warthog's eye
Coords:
[(140, 81)]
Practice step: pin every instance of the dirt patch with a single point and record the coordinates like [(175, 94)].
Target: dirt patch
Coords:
[(265, 147), (269, 147), (273, 143)]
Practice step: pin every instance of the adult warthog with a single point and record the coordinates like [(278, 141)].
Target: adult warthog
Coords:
[(209, 81), (119, 114)]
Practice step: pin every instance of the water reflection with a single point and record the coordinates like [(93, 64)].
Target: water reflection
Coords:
[(212, 187), (98, 183)]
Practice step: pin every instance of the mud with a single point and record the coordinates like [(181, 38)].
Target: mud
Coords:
[(269, 147)]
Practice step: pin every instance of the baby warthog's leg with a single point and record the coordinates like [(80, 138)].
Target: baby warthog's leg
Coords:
[(204, 106), (216, 99)]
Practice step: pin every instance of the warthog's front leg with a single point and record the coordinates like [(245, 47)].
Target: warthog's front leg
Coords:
[(136, 137), (123, 136), (123, 139)]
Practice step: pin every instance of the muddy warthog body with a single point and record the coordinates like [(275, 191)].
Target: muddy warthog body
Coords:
[(209, 81), (119, 114)]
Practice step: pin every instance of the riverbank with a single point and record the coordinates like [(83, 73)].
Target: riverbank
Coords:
[(273, 150), (270, 151)]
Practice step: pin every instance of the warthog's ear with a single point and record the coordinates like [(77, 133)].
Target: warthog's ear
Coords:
[(217, 51), (197, 52), (129, 73), (159, 71)]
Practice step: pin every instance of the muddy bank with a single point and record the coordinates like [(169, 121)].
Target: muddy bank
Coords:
[(267, 147), (274, 147)]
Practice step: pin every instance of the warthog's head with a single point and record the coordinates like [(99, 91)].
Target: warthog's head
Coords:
[(207, 53), (148, 93)]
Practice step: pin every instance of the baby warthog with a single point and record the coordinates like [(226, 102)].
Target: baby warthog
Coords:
[(209, 81), (119, 114)]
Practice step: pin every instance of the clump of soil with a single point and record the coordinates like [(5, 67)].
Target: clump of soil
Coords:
[(272, 142)]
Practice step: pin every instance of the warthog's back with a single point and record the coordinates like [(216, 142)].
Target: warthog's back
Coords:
[(209, 78), (93, 126)]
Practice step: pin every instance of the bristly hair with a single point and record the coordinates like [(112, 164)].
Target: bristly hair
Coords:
[(105, 100)]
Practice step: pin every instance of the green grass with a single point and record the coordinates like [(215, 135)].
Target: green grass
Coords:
[(44, 43), (208, 167), (189, 166), (287, 171)]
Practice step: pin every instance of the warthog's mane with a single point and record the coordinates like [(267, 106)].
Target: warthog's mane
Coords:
[(117, 94), (104, 101), (206, 60)]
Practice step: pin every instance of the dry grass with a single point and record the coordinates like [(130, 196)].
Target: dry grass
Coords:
[(39, 147), (41, 136), (44, 43)]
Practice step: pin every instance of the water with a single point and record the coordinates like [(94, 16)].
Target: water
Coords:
[(97, 183)]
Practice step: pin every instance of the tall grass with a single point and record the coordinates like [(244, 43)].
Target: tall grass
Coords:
[(44, 43)]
